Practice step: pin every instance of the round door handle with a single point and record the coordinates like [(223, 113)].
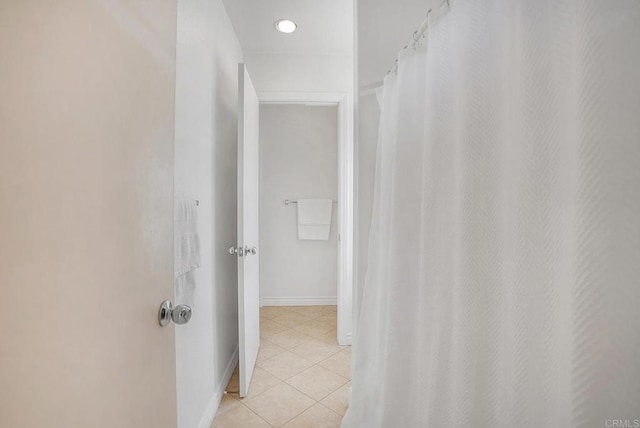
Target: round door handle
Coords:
[(164, 313), (233, 251), (181, 314), (253, 251)]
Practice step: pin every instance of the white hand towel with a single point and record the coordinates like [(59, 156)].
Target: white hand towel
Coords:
[(186, 289), (187, 241), (186, 249), (314, 219)]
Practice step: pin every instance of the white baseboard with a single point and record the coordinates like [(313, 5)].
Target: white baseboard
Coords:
[(212, 408), (299, 301), (345, 340)]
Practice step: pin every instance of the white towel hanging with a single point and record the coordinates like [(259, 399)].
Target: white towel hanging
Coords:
[(314, 219)]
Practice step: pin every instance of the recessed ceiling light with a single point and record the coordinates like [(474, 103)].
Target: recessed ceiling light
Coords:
[(285, 26)]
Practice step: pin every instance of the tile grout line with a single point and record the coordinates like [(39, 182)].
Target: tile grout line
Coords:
[(302, 358), (255, 413), (346, 380), (301, 392), (316, 337), (263, 392), (296, 346)]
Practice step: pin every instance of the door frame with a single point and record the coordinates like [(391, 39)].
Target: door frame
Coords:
[(346, 193)]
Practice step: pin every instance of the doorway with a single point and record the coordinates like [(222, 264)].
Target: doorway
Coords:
[(302, 373), (304, 182), (298, 164)]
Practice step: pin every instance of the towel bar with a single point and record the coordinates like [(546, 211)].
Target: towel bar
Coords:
[(288, 202)]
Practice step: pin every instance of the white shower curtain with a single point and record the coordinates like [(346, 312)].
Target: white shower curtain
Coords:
[(503, 287)]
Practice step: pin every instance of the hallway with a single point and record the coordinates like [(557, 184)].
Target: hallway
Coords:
[(302, 377)]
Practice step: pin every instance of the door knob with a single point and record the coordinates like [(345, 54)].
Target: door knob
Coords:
[(239, 251), (250, 251), (181, 314), (164, 313)]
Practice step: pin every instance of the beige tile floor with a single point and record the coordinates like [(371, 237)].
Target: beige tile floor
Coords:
[(302, 376)]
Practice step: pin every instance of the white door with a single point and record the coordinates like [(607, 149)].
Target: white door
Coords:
[(86, 217), (248, 261)]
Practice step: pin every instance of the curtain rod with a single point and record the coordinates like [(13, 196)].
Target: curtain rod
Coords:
[(417, 35)]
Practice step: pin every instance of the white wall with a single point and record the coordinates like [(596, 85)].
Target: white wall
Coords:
[(299, 159), (300, 73), (205, 169)]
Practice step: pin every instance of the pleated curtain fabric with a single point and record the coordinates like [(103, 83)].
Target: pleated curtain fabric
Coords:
[(503, 287)]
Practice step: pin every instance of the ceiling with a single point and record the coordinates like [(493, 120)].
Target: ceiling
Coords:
[(385, 27), (324, 27)]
